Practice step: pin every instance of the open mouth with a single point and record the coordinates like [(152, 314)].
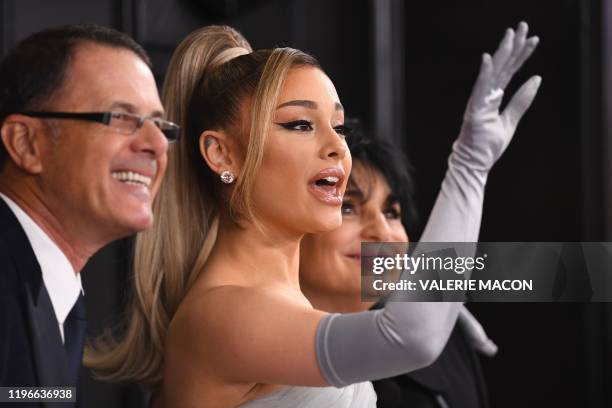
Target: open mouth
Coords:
[(329, 182), (326, 186), (132, 178)]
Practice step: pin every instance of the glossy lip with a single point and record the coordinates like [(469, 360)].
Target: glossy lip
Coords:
[(328, 195)]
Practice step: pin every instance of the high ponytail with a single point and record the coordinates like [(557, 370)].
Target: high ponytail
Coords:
[(209, 75)]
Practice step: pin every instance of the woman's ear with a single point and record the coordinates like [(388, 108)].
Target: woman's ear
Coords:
[(216, 150)]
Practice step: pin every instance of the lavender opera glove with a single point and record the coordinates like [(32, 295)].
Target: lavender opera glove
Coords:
[(404, 336), (485, 134)]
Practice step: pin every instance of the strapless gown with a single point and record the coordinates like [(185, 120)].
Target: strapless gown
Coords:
[(359, 395)]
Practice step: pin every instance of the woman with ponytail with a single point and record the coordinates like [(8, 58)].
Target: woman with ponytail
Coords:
[(218, 318)]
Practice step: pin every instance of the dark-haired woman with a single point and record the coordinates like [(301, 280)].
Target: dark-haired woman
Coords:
[(378, 206)]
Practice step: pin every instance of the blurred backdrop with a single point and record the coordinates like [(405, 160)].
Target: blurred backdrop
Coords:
[(406, 69)]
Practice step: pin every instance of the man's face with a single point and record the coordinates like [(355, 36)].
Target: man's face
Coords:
[(106, 179)]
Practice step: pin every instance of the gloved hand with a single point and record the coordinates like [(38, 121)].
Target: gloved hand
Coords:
[(484, 136), (486, 132), (404, 336)]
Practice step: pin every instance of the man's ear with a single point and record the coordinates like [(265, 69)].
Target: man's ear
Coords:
[(21, 136), (215, 148)]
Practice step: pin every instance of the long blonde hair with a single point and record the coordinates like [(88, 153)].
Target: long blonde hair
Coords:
[(212, 72)]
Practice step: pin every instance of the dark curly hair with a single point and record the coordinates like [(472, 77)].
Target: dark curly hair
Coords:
[(380, 154)]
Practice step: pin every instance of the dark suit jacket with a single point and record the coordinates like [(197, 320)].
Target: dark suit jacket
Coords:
[(31, 349), (454, 380)]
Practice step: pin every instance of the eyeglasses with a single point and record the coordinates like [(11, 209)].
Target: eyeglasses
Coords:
[(126, 123)]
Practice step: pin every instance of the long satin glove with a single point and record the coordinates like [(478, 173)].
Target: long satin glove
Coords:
[(404, 336), (485, 135)]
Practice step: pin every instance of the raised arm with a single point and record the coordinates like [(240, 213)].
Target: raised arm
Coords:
[(406, 336), (485, 134), (247, 335)]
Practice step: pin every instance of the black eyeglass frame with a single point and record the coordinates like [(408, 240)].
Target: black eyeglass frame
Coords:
[(171, 133)]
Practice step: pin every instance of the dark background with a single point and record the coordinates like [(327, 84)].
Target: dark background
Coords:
[(407, 68)]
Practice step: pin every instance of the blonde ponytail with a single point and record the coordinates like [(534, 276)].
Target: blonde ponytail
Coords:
[(183, 234), (209, 75)]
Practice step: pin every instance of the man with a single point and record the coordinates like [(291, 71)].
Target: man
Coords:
[(82, 155)]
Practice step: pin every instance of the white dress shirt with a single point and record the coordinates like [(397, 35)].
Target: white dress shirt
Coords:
[(62, 283)]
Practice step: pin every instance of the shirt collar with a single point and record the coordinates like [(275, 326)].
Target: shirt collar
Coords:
[(62, 283)]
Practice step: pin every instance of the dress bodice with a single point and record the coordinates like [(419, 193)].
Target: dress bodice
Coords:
[(360, 395)]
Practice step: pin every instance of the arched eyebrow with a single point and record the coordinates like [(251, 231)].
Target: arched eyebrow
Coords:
[(307, 104)]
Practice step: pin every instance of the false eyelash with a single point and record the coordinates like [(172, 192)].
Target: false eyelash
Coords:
[(293, 124), (340, 129)]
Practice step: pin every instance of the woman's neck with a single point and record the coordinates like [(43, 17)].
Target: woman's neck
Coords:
[(257, 256)]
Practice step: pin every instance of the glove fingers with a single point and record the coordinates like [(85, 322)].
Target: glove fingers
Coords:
[(497, 71), (520, 102), (483, 83), (521, 36), (503, 51), (508, 69), (529, 48)]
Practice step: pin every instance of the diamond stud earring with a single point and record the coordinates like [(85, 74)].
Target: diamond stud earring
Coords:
[(227, 177)]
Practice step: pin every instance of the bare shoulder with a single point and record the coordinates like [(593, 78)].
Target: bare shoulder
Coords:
[(237, 330), (215, 315)]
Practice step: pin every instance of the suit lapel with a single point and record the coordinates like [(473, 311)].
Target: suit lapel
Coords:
[(46, 345), (49, 353)]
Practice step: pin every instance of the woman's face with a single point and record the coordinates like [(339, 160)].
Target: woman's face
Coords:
[(306, 161), (330, 261)]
